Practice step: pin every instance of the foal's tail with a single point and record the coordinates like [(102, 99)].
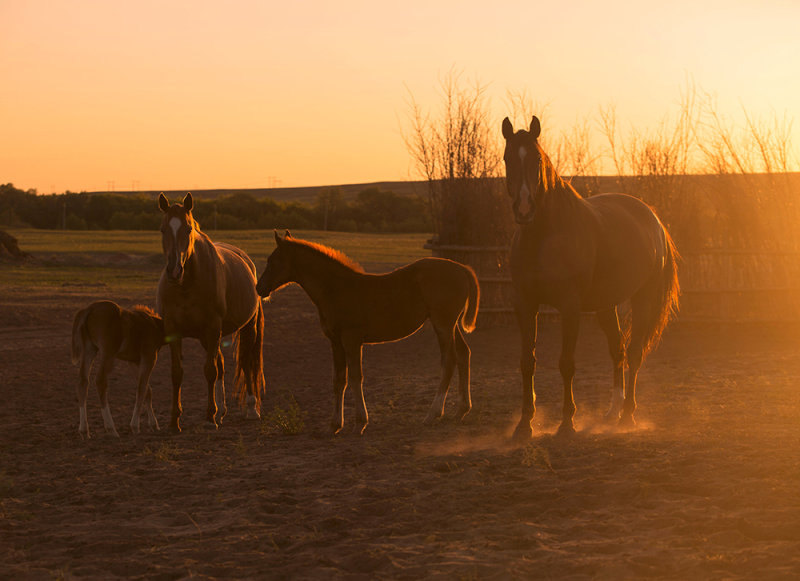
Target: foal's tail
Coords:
[(669, 292), (250, 359), (473, 302), (79, 334)]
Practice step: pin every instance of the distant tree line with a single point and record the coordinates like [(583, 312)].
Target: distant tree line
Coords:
[(372, 210)]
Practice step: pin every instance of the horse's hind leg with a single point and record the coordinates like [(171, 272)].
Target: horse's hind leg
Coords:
[(448, 351), (463, 355), (87, 358), (143, 395), (219, 390), (570, 324), (106, 365), (211, 345), (609, 323)]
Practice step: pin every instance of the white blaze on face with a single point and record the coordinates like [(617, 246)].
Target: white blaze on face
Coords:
[(524, 206)]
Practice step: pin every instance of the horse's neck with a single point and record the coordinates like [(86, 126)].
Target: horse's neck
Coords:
[(319, 273), (555, 210), (204, 259)]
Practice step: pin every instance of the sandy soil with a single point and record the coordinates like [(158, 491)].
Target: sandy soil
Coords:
[(707, 486)]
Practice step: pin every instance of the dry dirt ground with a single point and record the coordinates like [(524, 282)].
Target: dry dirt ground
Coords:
[(707, 486)]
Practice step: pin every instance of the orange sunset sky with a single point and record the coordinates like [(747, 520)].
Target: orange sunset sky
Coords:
[(152, 95)]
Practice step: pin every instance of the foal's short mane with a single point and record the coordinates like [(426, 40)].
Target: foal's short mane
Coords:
[(327, 252), (145, 310)]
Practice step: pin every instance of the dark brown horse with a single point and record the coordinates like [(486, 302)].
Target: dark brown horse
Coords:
[(357, 308), (579, 254), (105, 331), (207, 291)]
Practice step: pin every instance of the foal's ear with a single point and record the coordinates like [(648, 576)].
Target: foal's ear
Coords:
[(163, 202), (188, 202), (536, 127), (508, 129)]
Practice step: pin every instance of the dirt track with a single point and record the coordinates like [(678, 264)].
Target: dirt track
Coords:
[(708, 486)]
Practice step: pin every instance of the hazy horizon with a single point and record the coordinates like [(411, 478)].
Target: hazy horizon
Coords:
[(151, 96)]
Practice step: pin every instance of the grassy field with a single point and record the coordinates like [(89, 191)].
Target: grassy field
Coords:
[(130, 260)]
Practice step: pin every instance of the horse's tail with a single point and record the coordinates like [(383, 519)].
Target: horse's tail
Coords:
[(473, 302), (79, 334), (250, 359), (669, 291)]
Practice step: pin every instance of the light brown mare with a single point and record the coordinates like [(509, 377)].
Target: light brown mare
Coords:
[(578, 255), (107, 331), (357, 308), (208, 291)]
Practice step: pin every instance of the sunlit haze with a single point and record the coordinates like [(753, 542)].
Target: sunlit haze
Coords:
[(100, 95)]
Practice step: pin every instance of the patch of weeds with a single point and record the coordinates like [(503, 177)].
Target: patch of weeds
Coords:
[(286, 417), (165, 452), (535, 455), (239, 447)]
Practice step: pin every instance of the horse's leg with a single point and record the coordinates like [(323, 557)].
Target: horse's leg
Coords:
[(142, 392), (527, 319), (355, 378), (106, 365), (339, 384), (87, 358), (222, 406), (211, 345), (175, 350), (641, 319), (463, 355), (609, 323), (570, 324), (152, 421), (448, 356)]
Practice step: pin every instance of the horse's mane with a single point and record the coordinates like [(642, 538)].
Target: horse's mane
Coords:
[(145, 310), (320, 249), (550, 178)]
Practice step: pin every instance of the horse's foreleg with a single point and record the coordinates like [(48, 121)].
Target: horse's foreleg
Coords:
[(87, 357), (528, 322), (570, 324), (339, 385), (448, 356), (463, 356), (211, 372), (106, 365), (177, 378), (355, 379), (609, 323)]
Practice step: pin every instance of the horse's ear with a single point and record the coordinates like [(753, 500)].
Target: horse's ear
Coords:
[(163, 202), (508, 129), (536, 127), (188, 202), (278, 240), (287, 235)]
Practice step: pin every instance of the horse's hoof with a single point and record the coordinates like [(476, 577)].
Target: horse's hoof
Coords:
[(175, 429), (627, 422), (523, 433), (211, 426), (462, 413), (359, 431), (252, 414), (566, 430)]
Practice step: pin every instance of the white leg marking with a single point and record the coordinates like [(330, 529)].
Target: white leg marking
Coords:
[(108, 421)]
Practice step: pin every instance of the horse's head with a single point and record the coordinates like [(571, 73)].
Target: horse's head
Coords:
[(177, 239), (278, 271), (523, 159)]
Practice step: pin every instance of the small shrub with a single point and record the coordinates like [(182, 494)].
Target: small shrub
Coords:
[(285, 417)]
